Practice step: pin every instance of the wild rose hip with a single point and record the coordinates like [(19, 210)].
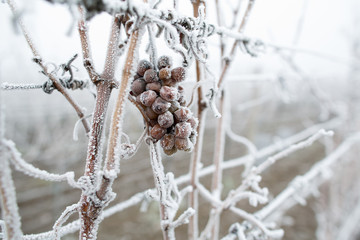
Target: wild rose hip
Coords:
[(166, 119), (182, 114), (183, 130), (150, 113), (193, 122), (165, 74), (138, 86), (167, 142), (183, 143), (148, 98), (143, 66), (175, 105), (160, 105), (155, 86), (171, 151), (164, 61), (169, 93), (157, 132), (150, 76), (163, 103), (178, 74)]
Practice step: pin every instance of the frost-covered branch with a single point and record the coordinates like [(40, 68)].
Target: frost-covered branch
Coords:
[(28, 169), (24, 86), (302, 186), (9, 208), (40, 62), (308, 142), (169, 196), (63, 218)]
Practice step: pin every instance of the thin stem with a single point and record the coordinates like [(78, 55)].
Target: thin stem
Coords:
[(216, 186), (112, 160), (86, 47), (193, 227), (39, 61), (89, 209), (159, 178), (233, 48), (9, 208)]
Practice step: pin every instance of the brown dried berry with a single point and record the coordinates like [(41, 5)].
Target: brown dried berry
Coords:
[(169, 82), (183, 130), (178, 74), (167, 142), (143, 66), (155, 86), (157, 132), (153, 122), (150, 113), (193, 137), (138, 86), (147, 98), (164, 61), (182, 114), (166, 119), (174, 106), (183, 143), (165, 74), (150, 76), (138, 101), (169, 93), (160, 105), (137, 76), (171, 151), (193, 122)]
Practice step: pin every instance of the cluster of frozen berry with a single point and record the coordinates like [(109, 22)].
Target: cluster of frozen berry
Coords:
[(158, 92)]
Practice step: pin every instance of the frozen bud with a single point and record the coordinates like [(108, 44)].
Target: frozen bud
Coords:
[(160, 106), (183, 143), (193, 122), (155, 86), (178, 74), (182, 114), (138, 86), (183, 130), (171, 151), (174, 106), (166, 119), (150, 76), (157, 132), (165, 74), (164, 61), (147, 98), (167, 142), (169, 93), (143, 66), (150, 113)]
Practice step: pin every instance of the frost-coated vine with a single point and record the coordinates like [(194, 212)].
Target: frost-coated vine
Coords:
[(174, 118)]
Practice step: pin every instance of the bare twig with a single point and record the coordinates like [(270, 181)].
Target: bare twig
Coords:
[(232, 52), (91, 203), (9, 208), (39, 61), (86, 47), (196, 155)]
